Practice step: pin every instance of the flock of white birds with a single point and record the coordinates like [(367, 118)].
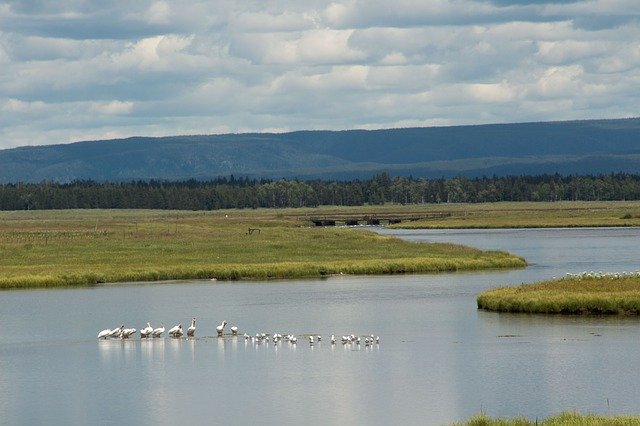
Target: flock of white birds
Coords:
[(148, 332)]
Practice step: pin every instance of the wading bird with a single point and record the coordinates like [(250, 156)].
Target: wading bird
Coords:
[(192, 328), (158, 331), (127, 332), (220, 328), (146, 331), (116, 332), (176, 331)]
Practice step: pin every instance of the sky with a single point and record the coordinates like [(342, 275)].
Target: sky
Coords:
[(73, 70)]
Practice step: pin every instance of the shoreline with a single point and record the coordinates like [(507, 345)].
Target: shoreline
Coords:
[(46, 249)]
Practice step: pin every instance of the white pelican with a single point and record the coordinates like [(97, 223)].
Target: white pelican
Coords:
[(220, 328), (127, 332), (146, 331), (333, 339), (176, 331), (311, 340), (158, 331), (192, 328), (246, 336), (116, 332), (104, 334), (234, 330)]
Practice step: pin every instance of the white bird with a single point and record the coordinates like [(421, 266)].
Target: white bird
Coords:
[(146, 331), (333, 339), (157, 332), (311, 340), (220, 328), (127, 332), (234, 330), (176, 331), (246, 336), (192, 328), (104, 334), (116, 332), (319, 337)]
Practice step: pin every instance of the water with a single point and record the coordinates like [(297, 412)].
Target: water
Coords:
[(439, 360)]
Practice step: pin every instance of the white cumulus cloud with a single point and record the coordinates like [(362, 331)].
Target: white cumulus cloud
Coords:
[(74, 69)]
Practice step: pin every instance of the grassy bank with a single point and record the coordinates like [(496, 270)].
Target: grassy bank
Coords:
[(529, 215), (82, 247), (564, 419), (589, 293)]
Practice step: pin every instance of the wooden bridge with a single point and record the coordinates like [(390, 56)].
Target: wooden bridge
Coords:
[(377, 219)]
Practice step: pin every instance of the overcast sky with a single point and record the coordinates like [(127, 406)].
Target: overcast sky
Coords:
[(75, 70)]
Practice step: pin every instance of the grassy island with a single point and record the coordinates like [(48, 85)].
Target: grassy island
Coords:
[(84, 247), (564, 419), (586, 293)]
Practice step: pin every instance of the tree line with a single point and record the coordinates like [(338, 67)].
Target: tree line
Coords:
[(230, 192)]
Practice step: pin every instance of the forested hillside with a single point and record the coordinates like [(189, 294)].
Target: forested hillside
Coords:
[(577, 147)]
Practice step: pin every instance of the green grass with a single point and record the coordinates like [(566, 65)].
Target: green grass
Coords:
[(584, 294), (564, 419), (83, 247), (531, 215)]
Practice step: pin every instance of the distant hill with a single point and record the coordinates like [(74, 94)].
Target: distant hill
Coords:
[(571, 147)]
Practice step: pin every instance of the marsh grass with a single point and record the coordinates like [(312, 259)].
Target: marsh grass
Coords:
[(564, 419), (532, 215), (84, 247), (599, 295)]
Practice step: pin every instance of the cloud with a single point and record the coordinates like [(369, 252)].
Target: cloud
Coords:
[(112, 108), (18, 106), (324, 46), (77, 69)]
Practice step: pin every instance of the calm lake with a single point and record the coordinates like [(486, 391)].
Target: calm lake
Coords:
[(439, 359)]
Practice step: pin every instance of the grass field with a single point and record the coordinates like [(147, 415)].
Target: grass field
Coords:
[(564, 419), (590, 293), (83, 247), (530, 215)]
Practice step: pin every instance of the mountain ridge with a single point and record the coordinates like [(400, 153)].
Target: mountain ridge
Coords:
[(565, 147)]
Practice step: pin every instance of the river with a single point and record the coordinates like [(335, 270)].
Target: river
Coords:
[(439, 359)]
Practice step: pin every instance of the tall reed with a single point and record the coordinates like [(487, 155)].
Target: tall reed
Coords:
[(596, 294), (564, 419)]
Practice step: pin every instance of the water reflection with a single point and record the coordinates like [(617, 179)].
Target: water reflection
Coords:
[(440, 359), (114, 352)]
